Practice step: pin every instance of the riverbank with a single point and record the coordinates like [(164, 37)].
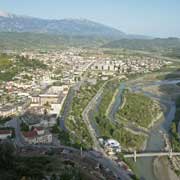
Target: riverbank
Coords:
[(112, 102), (155, 120), (162, 169)]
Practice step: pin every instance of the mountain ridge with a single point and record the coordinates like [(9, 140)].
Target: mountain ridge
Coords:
[(68, 26), (72, 27)]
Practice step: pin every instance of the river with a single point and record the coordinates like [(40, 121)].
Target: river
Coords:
[(155, 142)]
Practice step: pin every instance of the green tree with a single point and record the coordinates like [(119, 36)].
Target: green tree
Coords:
[(7, 156)]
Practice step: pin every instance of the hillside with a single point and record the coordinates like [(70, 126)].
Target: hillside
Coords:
[(14, 40), (168, 46)]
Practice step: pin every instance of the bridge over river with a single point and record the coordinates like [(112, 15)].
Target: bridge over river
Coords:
[(135, 155)]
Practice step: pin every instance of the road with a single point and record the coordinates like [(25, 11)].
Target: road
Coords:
[(68, 101), (112, 165), (85, 117), (66, 106), (19, 140)]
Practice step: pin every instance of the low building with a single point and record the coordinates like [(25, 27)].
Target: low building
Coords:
[(5, 134), (8, 111), (39, 120), (112, 145), (54, 96), (38, 136)]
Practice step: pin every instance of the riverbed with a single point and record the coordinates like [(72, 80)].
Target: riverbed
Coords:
[(145, 167)]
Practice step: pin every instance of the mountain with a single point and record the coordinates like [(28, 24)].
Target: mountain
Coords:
[(69, 27)]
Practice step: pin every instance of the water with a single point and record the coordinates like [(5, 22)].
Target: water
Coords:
[(118, 101), (91, 115), (144, 166)]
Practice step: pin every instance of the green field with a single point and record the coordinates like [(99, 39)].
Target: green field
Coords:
[(138, 109), (5, 62), (74, 121), (9, 69), (174, 127), (113, 130)]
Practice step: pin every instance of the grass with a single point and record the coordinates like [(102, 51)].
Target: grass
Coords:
[(113, 130), (5, 62), (3, 120), (74, 121), (175, 140), (9, 69), (138, 109)]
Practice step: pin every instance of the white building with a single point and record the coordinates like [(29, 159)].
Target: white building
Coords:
[(111, 144), (4, 134)]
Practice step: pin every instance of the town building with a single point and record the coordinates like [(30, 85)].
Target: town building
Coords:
[(38, 136), (5, 134)]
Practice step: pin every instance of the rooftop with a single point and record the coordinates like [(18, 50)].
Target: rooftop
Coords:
[(5, 131)]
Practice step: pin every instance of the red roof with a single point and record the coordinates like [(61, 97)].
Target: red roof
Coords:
[(5, 131), (30, 134), (39, 128)]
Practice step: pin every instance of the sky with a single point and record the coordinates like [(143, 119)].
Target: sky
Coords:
[(157, 18)]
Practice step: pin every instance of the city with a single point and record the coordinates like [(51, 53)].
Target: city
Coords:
[(82, 100)]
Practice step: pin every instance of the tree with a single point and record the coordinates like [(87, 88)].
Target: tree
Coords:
[(54, 177), (7, 156), (24, 127), (71, 173), (47, 107)]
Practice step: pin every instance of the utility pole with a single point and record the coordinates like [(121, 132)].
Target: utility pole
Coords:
[(81, 150), (135, 156)]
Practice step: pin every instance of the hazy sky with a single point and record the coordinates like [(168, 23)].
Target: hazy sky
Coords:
[(160, 18)]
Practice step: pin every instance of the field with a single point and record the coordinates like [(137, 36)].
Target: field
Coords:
[(110, 129), (174, 127), (74, 121), (9, 68), (138, 109), (5, 62)]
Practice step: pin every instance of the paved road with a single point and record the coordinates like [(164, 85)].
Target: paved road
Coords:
[(67, 105), (19, 140), (105, 160), (85, 117), (68, 101)]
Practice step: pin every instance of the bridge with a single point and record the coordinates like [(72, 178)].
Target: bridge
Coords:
[(135, 155)]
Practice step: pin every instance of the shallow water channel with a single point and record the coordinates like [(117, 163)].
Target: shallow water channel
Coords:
[(144, 166), (155, 142)]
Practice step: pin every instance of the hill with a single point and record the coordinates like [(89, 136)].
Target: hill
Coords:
[(16, 40), (167, 46)]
